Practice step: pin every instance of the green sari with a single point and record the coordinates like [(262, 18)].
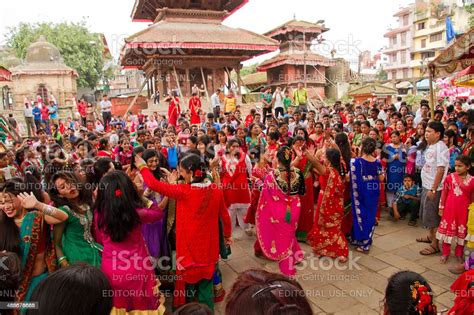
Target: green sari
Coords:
[(32, 231), (77, 242)]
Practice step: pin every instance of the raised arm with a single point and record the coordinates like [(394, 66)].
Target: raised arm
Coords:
[(173, 191), (320, 168), (150, 215)]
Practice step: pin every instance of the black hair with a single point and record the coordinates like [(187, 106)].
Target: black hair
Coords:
[(410, 176), (85, 192), (116, 205), (33, 182), (150, 153), (437, 127), (193, 163), (103, 142), (368, 146), (9, 232), (78, 289), (10, 275), (135, 152), (334, 157), (284, 156), (193, 139), (342, 141), (258, 292), (451, 134), (464, 159), (101, 167), (193, 309), (398, 294)]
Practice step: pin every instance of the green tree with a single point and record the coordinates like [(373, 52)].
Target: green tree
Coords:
[(248, 70), (470, 10), (80, 49), (381, 75)]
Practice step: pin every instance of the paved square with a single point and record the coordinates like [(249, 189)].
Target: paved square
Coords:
[(358, 289)]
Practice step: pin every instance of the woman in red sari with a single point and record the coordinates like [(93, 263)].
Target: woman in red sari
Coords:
[(306, 219), (173, 109), (326, 236), (194, 107)]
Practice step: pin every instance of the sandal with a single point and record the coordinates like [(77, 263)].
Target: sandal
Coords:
[(424, 239), (412, 223), (430, 250)]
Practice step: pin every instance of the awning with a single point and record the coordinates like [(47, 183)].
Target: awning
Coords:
[(404, 85), (465, 78), (423, 85)]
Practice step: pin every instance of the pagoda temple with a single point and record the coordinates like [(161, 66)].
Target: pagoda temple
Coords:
[(296, 62), (188, 45)]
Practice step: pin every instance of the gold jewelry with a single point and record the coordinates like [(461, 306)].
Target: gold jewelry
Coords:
[(141, 166)]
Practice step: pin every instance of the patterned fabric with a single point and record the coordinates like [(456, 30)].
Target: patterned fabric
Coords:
[(455, 199), (414, 191), (326, 237), (32, 233), (365, 198)]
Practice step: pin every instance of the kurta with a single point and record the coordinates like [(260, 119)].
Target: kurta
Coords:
[(77, 242), (127, 266), (234, 181), (197, 206), (455, 197)]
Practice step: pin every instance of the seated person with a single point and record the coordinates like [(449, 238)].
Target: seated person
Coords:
[(407, 201)]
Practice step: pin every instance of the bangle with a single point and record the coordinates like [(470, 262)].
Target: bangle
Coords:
[(61, 259), (48, 210)]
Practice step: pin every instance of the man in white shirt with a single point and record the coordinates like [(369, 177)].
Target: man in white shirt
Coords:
[(278, 103), (216, 104), (106, 110), (424, 112), (29, 119), (433, 175), (398, 104)]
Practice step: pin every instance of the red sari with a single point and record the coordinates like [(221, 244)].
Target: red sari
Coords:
[(194, 106), (173, 112), (326, 236)]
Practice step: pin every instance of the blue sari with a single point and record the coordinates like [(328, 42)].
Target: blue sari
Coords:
[(365, 197), (395, 168)]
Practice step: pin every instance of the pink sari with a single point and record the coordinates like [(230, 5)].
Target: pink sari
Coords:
[(275, 235)]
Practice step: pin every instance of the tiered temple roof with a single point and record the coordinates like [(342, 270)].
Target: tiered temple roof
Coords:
[(295, 45), (181, 33), (146, 10)]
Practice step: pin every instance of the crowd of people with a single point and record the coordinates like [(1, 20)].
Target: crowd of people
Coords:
[(140, 205)]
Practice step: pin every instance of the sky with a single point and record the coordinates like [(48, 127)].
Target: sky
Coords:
[(354, 26)]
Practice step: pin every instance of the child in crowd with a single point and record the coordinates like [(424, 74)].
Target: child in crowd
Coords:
[(407, 201), (453, 208)]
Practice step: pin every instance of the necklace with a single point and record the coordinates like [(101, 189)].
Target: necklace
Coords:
[(18, 222)]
